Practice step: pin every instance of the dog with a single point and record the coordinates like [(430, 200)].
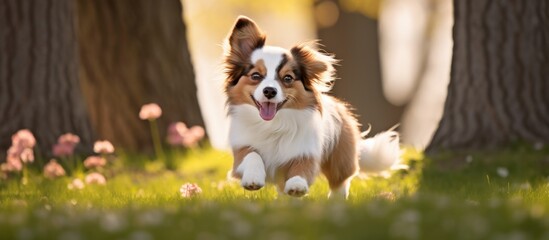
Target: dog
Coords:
[(284, 127)]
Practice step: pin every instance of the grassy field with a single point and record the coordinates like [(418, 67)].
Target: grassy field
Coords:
[(501, 195)]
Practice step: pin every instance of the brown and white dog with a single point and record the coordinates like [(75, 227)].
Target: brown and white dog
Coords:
[(284, 128)]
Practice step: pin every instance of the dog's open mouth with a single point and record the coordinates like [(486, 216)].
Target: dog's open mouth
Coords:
[(267, 110)]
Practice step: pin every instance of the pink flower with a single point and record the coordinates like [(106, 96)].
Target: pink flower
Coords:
[(193, 136), (69, 138), (62, 150), (103, 147), (27, 155), (76, 184), (65, 145), (23, 139), (13, 164), (94, 161), (53, 170), (95, 178), (189, 190), (20, 151), (198, 132), (13, 159), (150, 111), (176, 131), (179, 134)]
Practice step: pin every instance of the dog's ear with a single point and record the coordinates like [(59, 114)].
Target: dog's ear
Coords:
[(245, 37), (317, 70)]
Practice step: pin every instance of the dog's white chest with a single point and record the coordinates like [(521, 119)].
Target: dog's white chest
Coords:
[(292, 133)]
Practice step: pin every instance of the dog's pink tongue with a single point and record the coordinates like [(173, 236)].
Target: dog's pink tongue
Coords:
[(267, 111)]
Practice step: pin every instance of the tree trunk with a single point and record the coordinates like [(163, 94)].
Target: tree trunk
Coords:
[(498, 92), (354, 40), (135, 52), (39, 87)]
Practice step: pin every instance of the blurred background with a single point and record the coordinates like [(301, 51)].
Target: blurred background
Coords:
[(395, 55), (87, 67)]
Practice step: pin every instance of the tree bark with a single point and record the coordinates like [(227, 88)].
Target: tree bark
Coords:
[(135, 52), (498, 92), (39, 87), (354, 40)]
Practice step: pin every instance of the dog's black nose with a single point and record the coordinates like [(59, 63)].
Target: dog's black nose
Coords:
[(269, 92)]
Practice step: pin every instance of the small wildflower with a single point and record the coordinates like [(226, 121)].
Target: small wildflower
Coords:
[(103, 147), (53, 170), (94, 161), (65, 145), (20, 151), (69, 138), (193, 136), (62, 150), (27, 155), (95, 178), (150, 111), (176, 131), (189, 190), (469, 159), (12, 165), (13, 160), (502, 172), (197, 131), (76, 184), (23, 138)]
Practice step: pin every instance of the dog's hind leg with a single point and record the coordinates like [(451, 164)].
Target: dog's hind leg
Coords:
[(342, 164)]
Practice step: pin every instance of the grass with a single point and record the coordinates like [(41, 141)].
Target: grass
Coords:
[(451, 196)]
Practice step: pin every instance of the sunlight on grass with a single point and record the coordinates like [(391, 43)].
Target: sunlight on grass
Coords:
[(446, 197)]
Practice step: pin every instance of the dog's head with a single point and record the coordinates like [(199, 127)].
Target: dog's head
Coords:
[(272, 78)]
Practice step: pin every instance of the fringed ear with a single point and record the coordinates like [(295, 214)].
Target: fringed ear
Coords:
[(317, 69), (244, 38)]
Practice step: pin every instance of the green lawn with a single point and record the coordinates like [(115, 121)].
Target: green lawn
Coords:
[(502, 195)]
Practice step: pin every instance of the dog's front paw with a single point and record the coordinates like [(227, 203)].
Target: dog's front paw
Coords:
[(296, 187), (253, 180)]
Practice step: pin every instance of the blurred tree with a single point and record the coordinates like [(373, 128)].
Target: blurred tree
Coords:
[(119, 55), (135, 52), (39, 87), (498, 92), (353, 37)]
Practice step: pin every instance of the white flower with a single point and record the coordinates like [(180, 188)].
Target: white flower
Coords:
[(502, 172)]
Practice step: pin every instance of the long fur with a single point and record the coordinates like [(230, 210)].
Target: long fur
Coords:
[(284, 128)]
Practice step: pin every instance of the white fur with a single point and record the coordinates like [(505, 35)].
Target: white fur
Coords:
[(331, 122), (379, 153), (341, 192), (252, 170), (271, 56), (296, 184), (292, 133), (295, 133)]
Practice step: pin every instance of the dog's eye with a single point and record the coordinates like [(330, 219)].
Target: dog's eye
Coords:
[(288, 79), (256, 76)]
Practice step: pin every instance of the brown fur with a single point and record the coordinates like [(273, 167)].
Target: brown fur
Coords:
[(308, 68), (242, 41), (296, 93), (312, 68), (239, 155), (305, 167), (298, 96), (342, 163)]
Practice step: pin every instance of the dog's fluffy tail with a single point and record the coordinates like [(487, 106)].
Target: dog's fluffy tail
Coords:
[(380, 153)]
